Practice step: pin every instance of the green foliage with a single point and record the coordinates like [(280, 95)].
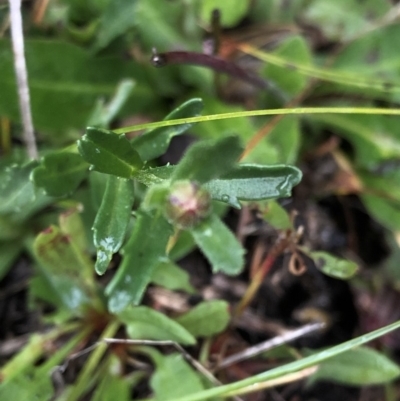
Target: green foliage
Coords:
[(361, 366), (60, 173), (174, 378), (206, 319), (295, 50), (333, 266), (117, 18), (155, 143), (98, 201), (17, 192), (208, 159), (65, 82), (112, 220), (141, 254), (214, 239), (64, 266), (109, 153), (145, 323), (254, 182), (168, 275)]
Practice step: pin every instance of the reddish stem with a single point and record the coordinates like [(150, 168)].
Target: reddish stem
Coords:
[(216, 64)]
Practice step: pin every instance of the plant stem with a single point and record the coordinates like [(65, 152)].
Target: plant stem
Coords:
[(216, 64), (22, 77), (92, 363), (293, 367), (265, 112)]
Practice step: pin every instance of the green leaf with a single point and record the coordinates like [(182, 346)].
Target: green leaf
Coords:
[(295, 50), (285, 138), (64, 267), (25, 387), (60, 173), (159, 25), (114, 386), (232, 11), (359, 367), (363, 133), (10, 229), (141, 256), (117, 18), (168, 275), (97, 183), (112, 220), (333, 266), (345, 19), (209, 159), (104, 113), (174, 378), (65, 82), (386, 211), (146, 323), (219, 245), (155, 143), (254, 182), (277, 216), (371, 56), (71, 224), (16, 189), (214, 129), (383, 196), (109, 153), (206, 319)]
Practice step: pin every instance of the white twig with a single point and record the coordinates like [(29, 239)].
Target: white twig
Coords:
[(22, 77), (271, 343)]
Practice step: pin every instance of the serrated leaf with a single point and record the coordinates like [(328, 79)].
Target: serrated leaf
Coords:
[(60, 173), (112, 220), (168, 275), (209, 159), (174, 378), (146, 323), (333, 266), (109, 153), (359, 367), (254, 182), (16, 188), (219, 245), (141, 255), (155, 143), (206, 319)]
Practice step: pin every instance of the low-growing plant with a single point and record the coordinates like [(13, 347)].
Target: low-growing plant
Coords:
[(102, 218)]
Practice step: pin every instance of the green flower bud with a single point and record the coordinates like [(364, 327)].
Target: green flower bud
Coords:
[(187, 204)]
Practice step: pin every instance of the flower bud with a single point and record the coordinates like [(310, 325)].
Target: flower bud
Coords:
[(187, 204)]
